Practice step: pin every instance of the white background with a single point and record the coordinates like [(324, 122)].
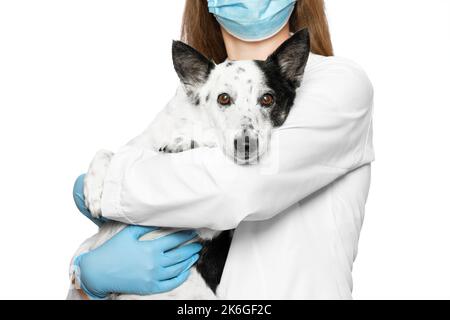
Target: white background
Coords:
[(80, 75)]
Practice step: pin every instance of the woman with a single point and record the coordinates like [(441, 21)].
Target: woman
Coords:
[(297, 216)]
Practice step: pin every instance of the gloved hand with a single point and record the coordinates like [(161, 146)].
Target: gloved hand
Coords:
[(129, 266), (78, 197)]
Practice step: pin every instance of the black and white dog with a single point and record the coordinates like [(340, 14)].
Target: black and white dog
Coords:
[(234, 106)]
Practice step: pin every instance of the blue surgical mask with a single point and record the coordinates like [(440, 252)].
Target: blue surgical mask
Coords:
[(252, 20)]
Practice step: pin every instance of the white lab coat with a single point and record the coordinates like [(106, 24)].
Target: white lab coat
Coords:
[(297, 214)]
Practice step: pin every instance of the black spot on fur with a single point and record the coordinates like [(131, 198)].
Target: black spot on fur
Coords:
[(196, 100), (236, 78), (249, 81), (213, 257), (194, 144), (229, 64), (207, 98), (240, 70), (283, 71)]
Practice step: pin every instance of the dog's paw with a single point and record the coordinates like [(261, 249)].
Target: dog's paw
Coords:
[(93, 182), (180, 144)]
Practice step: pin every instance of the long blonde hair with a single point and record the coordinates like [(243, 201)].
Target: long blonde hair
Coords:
[(201, 30)]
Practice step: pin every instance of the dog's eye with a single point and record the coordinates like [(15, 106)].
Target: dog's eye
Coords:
[(224, 99), (267, 100)]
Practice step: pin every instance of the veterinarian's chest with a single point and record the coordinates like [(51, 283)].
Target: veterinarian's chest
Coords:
[(305, 252)]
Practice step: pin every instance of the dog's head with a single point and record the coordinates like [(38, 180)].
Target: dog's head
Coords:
[(244, 99)]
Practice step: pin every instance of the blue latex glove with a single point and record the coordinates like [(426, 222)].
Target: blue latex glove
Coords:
[(129, 266), (126, 265), (78, 197)]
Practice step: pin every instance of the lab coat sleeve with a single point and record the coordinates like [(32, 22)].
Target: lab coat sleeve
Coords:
[(327, 134)]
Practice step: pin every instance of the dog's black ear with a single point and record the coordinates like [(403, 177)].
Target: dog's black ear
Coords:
[(291, 57), (191, 66)]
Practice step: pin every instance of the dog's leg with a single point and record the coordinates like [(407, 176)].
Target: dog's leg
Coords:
[(179, 144), (93, 182), (187, 134), (180, 126)]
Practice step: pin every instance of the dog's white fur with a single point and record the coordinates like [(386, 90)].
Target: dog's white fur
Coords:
[(181, 122)]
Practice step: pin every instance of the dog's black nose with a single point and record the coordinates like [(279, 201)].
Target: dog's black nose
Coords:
[(246, 144)]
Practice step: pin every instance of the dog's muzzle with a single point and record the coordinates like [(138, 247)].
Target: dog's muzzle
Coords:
[(246, 145)]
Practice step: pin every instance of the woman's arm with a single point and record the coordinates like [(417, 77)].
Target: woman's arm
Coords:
[(327, 134), (151, 266)]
